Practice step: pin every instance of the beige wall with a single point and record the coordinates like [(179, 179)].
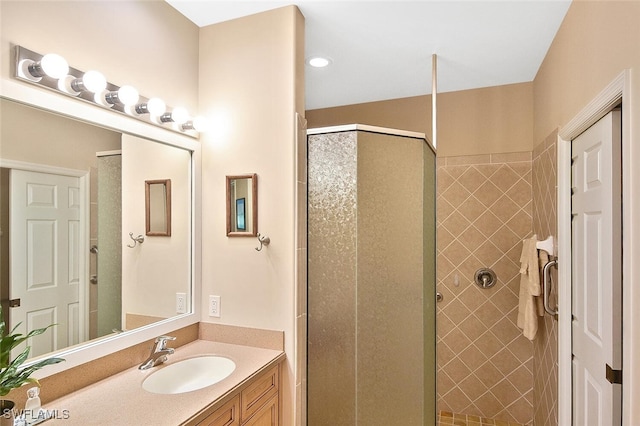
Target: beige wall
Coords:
[(596, 42), (129, 43), (248, 84), (481, 121), (50, 141)]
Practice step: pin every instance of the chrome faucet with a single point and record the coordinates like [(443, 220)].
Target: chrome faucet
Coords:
[(159, 353)]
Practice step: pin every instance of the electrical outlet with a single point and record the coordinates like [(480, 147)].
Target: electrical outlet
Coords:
[(181, 303), (214, 306)]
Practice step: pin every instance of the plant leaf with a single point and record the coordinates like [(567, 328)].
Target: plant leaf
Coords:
[(12, 373)]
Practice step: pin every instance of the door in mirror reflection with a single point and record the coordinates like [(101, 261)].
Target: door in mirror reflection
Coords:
[(242, 205), (46, 211)]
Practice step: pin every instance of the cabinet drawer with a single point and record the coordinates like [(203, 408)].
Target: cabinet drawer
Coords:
[(227, 415), (267, 415), (259, 392)]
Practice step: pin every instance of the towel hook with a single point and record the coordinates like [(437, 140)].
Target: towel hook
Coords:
[(136, 240), (546, 245), (263, 240)]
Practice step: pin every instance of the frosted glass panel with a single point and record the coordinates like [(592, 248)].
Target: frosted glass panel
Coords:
[(389, 285), (370, 203), (332, 274), (110, 240)]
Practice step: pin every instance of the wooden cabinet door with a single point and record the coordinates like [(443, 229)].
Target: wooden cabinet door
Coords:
[(267, 415), (259, 392), (227, 415)]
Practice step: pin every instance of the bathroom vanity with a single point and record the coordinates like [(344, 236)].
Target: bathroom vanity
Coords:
[(255, 405), (248, 396)]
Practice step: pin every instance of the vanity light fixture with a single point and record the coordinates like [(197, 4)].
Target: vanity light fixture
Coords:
[(52, 71)]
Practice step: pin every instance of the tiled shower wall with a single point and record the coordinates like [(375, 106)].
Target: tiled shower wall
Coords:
[(545, 372), (484, 211)]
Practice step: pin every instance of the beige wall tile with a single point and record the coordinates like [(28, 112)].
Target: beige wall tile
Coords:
[(487, 200), (545, 369)]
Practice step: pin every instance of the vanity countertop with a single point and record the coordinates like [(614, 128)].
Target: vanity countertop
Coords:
[(120, 399)]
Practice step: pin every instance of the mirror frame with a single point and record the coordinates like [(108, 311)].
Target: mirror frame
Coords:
[(72, 108), (254, 213), (166, 208)]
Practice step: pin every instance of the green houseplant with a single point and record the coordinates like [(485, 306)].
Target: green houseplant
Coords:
[(12, 372)]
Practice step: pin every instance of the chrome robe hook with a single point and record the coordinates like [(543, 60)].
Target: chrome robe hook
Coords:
[(263, 240), (136, 240)]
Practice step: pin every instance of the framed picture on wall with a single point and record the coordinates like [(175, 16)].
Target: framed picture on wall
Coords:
[(240, 210)]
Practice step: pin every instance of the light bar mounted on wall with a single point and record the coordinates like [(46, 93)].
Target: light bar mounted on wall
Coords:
[(53, 73)]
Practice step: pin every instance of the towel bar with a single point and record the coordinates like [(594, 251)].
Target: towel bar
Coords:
[(546, 288)]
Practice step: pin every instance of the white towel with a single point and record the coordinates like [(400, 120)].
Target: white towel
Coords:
[(530, 302)]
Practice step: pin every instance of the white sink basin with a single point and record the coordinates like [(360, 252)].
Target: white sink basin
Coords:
[(189, 374)]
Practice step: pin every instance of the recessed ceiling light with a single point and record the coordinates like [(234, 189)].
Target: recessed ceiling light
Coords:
[(319, 62)]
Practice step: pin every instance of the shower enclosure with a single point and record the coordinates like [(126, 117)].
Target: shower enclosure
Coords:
[(371, 277), (108, 285)]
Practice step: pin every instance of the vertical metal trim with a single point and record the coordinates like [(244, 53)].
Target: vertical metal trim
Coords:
[(434, 92)]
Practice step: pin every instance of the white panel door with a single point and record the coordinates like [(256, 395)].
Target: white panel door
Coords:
[(46, 258), (596, 269)]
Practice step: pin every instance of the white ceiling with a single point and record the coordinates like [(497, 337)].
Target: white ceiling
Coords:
[(383, 49)]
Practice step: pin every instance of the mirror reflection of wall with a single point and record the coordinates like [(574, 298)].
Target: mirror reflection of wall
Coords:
[(157, 269)]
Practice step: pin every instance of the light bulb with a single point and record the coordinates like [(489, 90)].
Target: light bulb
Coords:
[(179, 115), (92, 81), (156, 107), (126, 95), (55, 66), (52, 65), (200, 124)]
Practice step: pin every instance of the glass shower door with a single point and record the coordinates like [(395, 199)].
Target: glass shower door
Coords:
[(371, 274)]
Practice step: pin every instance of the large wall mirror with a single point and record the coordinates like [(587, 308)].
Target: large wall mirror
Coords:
[(242, 205), (71, 192)]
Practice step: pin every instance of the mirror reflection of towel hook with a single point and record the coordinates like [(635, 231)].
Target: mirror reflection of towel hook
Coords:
[(263, 240), (137, 240)]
